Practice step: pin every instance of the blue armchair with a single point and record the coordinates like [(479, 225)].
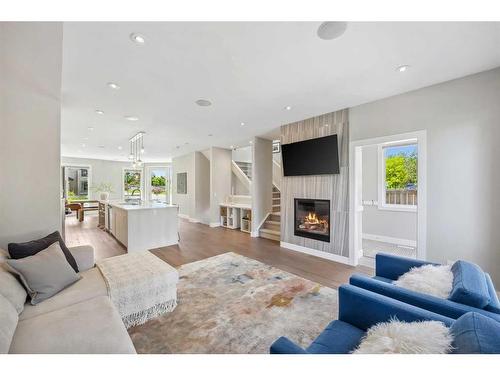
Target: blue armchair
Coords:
[(359, 309), (388, 268)]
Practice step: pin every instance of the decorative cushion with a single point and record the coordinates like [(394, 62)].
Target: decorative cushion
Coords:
[(8, 324), (469, 285), (429, 279), (25, 249), (475, 333), (395, 337), (45, 273), (494, 305)]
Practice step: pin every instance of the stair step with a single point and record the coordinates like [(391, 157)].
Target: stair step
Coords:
[(270, 234), (272, 222)]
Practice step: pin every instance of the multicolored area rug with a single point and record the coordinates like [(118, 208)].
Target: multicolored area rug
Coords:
[(233, 304)]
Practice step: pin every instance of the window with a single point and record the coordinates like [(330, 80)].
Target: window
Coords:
[(132, 184), (76, 183), (159, 183), (398, 176)]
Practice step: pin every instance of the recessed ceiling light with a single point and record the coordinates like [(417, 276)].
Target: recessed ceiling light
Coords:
[(402, 68), (203, 102), (231, 147), (137, 38), (242, 124), (113, 86), (90, 128), (83, 144), (288, 108), (251, 142), (120, 147), (331, 30), (131, 118), (99, 111)]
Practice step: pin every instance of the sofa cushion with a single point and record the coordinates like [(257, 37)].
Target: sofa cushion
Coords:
[(12, 289), (475, 333), (91, 326), (469, 285), (26, 249), (494, 304), (45, 273), (91, 285), (337, 338), (8, 323)]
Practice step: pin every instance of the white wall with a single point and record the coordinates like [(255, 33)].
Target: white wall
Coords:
[(396, 224), (462, 119), (102, 171), (202, 188), (220, 180), (182, 164), (30, 97), (262, 185), (243, 154)]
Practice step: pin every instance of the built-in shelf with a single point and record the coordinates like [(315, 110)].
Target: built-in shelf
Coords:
[(236, 217)]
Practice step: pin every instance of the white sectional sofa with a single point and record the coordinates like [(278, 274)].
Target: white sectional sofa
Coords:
[(79, 319)]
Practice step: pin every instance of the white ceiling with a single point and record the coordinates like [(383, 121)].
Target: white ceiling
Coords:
[(250, 71)]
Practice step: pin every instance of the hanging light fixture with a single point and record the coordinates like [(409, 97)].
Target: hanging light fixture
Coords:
[(136, 149)]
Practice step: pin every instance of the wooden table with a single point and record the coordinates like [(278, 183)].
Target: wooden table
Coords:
[(79, 205)]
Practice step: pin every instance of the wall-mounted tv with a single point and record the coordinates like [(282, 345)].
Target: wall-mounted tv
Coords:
[(312, 157)]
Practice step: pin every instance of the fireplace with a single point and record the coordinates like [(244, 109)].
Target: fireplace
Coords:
[(312, 219)]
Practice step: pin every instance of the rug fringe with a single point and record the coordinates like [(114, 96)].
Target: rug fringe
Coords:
[(142, 317)]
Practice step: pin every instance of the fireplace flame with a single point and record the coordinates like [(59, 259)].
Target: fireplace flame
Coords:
[(313, 219)]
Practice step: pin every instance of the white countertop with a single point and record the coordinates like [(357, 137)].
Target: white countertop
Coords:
[(145, 205)]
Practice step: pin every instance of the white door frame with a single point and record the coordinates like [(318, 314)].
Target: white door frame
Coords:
[(355, 190)]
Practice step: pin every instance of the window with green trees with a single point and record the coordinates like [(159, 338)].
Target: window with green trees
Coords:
[(401, 174)]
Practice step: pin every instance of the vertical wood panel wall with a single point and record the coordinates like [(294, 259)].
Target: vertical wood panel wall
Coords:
[(332, 187)]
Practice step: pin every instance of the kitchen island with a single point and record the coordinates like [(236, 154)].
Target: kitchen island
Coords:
[(141, 226)]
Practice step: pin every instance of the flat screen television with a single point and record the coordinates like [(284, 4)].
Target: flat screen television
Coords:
[(312, 157)]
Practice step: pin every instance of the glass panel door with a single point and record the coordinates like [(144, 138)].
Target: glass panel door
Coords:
[(76, 183), (159, 183)]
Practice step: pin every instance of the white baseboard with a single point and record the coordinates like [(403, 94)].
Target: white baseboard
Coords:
[(194, 220), (183, 216), (214, 225), (254, 233), (393, 240), (316, 253)]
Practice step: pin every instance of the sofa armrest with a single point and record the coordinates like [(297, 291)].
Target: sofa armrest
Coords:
[(437, 305), (84, 256), (285, 346), (363, 309), (393, 266)]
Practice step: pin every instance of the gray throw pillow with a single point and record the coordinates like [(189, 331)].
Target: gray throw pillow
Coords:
[(45, 273)]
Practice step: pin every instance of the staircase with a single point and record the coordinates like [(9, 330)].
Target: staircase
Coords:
[(246, 168), (271, 229)]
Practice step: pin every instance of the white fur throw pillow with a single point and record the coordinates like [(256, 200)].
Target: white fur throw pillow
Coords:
[(429, 279), (395, 337)]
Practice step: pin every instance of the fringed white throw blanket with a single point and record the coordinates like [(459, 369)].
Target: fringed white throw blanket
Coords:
[(140, 285)]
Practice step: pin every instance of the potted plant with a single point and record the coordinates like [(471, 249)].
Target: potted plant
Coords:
[(103, 189)]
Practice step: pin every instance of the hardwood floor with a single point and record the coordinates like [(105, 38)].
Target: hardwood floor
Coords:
[(199, 241)]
